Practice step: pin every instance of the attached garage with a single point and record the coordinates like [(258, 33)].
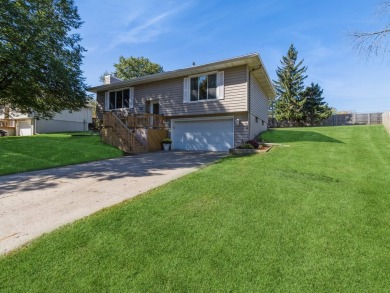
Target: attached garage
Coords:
[(25, 128), (206, 134)]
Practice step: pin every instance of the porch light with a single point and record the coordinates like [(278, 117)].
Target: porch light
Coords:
[(237, 122)]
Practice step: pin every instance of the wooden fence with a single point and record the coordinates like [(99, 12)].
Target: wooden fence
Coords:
[(353, 119), (386, 120), (342, 119)]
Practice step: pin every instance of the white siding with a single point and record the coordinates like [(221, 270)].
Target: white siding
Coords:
[(66, 121)]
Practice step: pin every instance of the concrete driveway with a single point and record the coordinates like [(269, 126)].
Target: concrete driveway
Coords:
[(35, 203)]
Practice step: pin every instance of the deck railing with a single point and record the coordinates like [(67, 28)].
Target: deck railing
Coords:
[(7, 123), (145, 120), (117, 134), (134, 133)]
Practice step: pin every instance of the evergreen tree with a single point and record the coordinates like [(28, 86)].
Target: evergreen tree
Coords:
[(314, 108), (289, 102)]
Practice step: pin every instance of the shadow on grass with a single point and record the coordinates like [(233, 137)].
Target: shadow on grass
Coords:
[(285, 136)]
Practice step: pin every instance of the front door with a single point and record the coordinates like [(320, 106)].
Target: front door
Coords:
[(154, 109)]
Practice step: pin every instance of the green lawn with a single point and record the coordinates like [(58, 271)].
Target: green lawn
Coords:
[(27, 153), (312, 217)]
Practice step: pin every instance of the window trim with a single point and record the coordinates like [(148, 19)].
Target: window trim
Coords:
[(131, 101)]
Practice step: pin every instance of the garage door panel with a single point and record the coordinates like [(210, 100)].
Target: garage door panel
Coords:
[(211, 135)]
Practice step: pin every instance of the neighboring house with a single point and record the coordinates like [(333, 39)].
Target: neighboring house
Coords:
[(15, 123), (208, 107), (66, 121), (18, 124)]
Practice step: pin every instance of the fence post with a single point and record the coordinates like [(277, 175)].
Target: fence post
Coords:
[(369, 119)]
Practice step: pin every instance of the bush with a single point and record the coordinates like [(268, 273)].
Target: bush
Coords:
[(254, 143), (245, 145)]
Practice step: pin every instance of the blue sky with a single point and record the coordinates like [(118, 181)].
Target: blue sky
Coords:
[(176, 33)]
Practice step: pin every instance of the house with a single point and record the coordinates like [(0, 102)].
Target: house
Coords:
[(66, 121), (207, 107), (19, 124), (15, 123)]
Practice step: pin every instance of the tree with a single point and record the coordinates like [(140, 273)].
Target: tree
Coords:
[(289, 102), (314, 108), (375, 42), (39, 58), (132, 67), (101, 77)]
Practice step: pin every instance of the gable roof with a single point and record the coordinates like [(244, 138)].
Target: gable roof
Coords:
[(253, 61)]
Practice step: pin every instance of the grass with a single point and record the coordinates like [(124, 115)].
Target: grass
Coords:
[(27, 153), (313, 217)]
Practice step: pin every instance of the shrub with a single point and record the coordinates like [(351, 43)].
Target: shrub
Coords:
[(245, 145), (254, 143)]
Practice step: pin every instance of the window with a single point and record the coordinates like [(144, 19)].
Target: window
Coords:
[(119, 99), (203, 87)]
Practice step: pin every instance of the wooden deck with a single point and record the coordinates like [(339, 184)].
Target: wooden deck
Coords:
[(134, 134)]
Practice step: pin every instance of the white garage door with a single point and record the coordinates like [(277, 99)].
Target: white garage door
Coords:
[(25, 128), (203, 135)]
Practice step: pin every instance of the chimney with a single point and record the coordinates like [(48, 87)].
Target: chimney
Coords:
[(110, 79)]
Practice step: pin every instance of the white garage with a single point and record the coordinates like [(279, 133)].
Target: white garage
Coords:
[(206, 134)]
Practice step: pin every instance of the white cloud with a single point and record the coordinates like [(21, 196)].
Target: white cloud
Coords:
[(145, 24)]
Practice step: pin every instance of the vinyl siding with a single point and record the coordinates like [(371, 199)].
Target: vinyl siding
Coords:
[(241, 130), (100, 99), (170, 94), (50, 126), (258, 100), (258, 108), (256, 127)]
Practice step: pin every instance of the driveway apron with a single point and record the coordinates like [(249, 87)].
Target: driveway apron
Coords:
[(38, 202)]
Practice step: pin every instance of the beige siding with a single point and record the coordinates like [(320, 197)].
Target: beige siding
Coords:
[(170, 94), (11, 130), (256, 126), (100, 99), (241, 130), (258, 108)]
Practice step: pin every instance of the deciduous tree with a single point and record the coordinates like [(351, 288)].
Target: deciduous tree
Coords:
[(40, 56), (132, 67), (376, 42)]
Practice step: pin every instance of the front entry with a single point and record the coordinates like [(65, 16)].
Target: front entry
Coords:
[(154, 109)]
